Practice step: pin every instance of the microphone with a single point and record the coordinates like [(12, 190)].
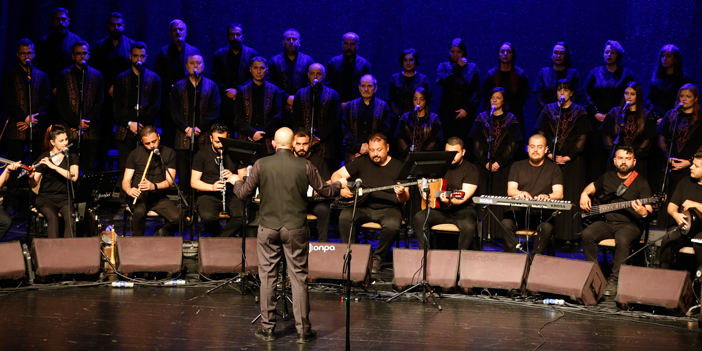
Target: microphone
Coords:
[(562, 100), (492, 110), (197, 73), (425, 184), (157, 152), (65, 150), (82, 64), (28, 62), (315, 82), (357, 183), (416, 108), (680, 106), (139, 64), (626, 106)]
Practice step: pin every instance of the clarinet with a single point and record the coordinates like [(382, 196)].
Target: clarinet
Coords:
[(221, 179)]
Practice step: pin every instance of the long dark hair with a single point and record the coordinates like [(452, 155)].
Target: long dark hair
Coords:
[(566, 62), (427, 98), (659, 71), (51, 134), (511, 47), (640, 113), (459, 43)]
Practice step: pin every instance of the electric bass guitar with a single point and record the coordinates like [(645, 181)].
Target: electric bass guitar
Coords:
[(604, 205), (363, 192)]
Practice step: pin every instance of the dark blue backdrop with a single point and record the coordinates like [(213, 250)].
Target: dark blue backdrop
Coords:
[(386, 28)]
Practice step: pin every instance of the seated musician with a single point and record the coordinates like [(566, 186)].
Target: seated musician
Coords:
[(301, 146), (5, 219), (207, 181), (624, 226), (51, 175), (376, 170), (532, 179), (687, 196), (461, 212), (150, 191)]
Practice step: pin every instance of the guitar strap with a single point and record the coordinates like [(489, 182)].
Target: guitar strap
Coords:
[(624, 186)]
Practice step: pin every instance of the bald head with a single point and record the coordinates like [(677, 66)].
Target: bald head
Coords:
[(537, 139), (283, 138), (316, 72), (350, 44)]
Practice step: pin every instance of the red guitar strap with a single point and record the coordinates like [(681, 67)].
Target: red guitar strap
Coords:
[(625, 185)]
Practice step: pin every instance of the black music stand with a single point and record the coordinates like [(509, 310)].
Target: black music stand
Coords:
[(425, 165), (91, 189), (246, 152)]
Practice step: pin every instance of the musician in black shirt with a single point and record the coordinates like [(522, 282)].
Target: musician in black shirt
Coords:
[(376, 170), (532, 179), (205, 178), (686, 197), (301, 147), (5, 219), (150, 192), (51, 176), (461, 212), (624, 226)]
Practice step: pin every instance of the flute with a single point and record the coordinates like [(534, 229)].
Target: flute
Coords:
[(143, 176), (27, 169)]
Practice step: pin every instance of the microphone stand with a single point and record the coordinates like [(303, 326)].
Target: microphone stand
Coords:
[(490, 156), (180, 193), (30, 147), (347, 269), (81, 108), (313, 91), (191, 212), (558, 128), (138, 103), (619, 132), (666, 179), (69, 186)]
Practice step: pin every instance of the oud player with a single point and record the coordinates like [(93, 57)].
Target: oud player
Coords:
[(463, 176), (625, 225), (383, 207)]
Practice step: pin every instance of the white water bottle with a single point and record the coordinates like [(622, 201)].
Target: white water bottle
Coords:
[(121, 284), (174, 282), (554, 302)]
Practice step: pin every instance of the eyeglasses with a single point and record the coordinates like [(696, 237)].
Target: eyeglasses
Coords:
[(86, 53), (25, 54)]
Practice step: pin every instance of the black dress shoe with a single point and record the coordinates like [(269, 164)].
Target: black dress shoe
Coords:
[(265, 334), (306, 337)]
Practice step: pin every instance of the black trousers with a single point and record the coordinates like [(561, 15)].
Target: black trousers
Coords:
[(672, 244), (50, 212), (159, 204), (465, 219), (321, 210), (517, 219), (388, 218), (624, 235), (183, 166), (209, 206)]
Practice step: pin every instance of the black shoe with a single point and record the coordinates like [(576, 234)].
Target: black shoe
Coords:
[(306, 337), (265, 334), (611, 289), (377, 265)]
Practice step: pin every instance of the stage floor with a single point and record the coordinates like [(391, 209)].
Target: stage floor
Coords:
[(184, 318)]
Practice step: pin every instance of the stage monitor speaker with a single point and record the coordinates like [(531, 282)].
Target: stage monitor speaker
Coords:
[(495, 270), (442, 267), (658, 287), (223, 255), (12, 264), (66, 256), (149, 254), (582, 281), (326, 261)]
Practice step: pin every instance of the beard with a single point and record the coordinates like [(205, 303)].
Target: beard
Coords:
[(302, 153), (536, 159), (236, 45), (349, 52), (624, 169)]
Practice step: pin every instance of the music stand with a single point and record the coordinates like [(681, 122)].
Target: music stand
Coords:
[(425, 165), (91, 189), (247, 152)]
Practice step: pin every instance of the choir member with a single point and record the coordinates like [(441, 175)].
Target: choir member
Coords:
[(403, 85), (79, 96), (460, 82), (110, 56), (668, 77), (288, 70), (545, 87), (230, 69), (570, 121), (363, 117), (54, 50), (170, 67), (345, 71), (420, 130), (635, 127), (325, 104), (604, 88), (510, 78)]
